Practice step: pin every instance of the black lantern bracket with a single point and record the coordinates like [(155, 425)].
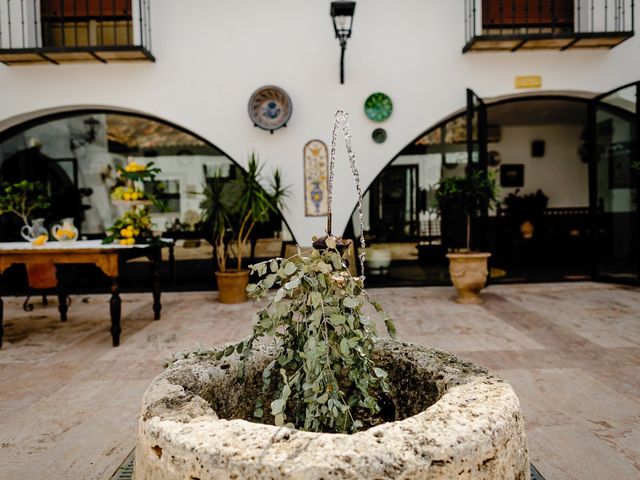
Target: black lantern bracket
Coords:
[(342, 15)]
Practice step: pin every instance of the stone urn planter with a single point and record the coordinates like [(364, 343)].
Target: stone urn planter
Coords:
[(453, 419), (378, 261), (468, 273), (232, 286)]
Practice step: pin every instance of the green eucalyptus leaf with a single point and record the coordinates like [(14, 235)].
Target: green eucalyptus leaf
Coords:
[(290, 268), (277, 406), (350, 302), (269, 280), (279, 295), (380, 373), (293, 283), (336, 261), (316, 299), (286, 391), (391, 328), (337, 319), (279, 420), (344, 346)]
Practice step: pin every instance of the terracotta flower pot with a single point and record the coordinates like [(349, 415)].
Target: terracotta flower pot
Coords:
[(232, 286), (526, 229), (468, 273)]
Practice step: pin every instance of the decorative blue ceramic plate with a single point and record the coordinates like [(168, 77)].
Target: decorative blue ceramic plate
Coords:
[(378, 107), (270, 108), (379, 135)]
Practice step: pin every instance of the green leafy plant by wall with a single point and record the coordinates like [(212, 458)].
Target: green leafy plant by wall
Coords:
[(472, 193), (22, 199), (530, 206)]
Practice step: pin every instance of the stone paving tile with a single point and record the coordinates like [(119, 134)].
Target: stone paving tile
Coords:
[(553, 452), (69, 401)]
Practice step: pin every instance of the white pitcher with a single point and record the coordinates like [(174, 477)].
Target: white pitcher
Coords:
[(35, 231), (65, 231)]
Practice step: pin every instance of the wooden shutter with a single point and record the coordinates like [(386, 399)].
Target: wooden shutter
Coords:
[(86, 8), (523, 13)]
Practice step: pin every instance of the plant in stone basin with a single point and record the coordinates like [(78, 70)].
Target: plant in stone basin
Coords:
[(324, 376)]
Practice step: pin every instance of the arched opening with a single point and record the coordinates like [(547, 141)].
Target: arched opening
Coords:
[(538, 153), (75, 154)]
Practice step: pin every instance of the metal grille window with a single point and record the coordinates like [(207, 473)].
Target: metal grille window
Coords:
[(74, 30), (547, 24)]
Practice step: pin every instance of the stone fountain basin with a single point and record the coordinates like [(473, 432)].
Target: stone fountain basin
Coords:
[(454, 420)]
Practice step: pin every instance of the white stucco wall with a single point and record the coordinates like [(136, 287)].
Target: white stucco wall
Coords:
[(212, 55), (560, 173)]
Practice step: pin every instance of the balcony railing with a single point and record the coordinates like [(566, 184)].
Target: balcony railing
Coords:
[(546, 24), (62, 31)]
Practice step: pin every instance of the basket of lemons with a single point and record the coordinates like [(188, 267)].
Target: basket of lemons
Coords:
[(127, 194), (133, 227)]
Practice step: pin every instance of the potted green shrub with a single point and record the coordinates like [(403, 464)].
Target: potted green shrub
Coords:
[(468, 195), (232, 209), (22, 199), (525, 211)]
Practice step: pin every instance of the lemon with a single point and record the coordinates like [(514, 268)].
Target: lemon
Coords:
[(126, 196), (131, 241), (39, 241), (123, 241)]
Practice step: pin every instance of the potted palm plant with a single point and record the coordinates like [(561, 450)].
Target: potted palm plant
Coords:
[(467, 195), (232, 209)]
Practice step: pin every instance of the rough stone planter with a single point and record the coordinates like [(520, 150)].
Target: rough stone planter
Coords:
[(453, 420), (468, 272), (378, 261)]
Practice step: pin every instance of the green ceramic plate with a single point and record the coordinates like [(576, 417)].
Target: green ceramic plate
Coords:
[(378, 107)]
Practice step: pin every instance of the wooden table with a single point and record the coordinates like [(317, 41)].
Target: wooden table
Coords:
[(108, 258)]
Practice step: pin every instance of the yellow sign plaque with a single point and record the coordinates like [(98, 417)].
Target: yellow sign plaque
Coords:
[(528, 81)]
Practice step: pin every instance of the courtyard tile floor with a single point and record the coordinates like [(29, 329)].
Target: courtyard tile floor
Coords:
[(69, 401)]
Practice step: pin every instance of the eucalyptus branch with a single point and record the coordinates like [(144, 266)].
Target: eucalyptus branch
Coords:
[(325, 342)]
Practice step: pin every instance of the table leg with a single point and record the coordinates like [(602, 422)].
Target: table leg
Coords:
[(172, 263), (155, 284), (62, 296), (115, 308)]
